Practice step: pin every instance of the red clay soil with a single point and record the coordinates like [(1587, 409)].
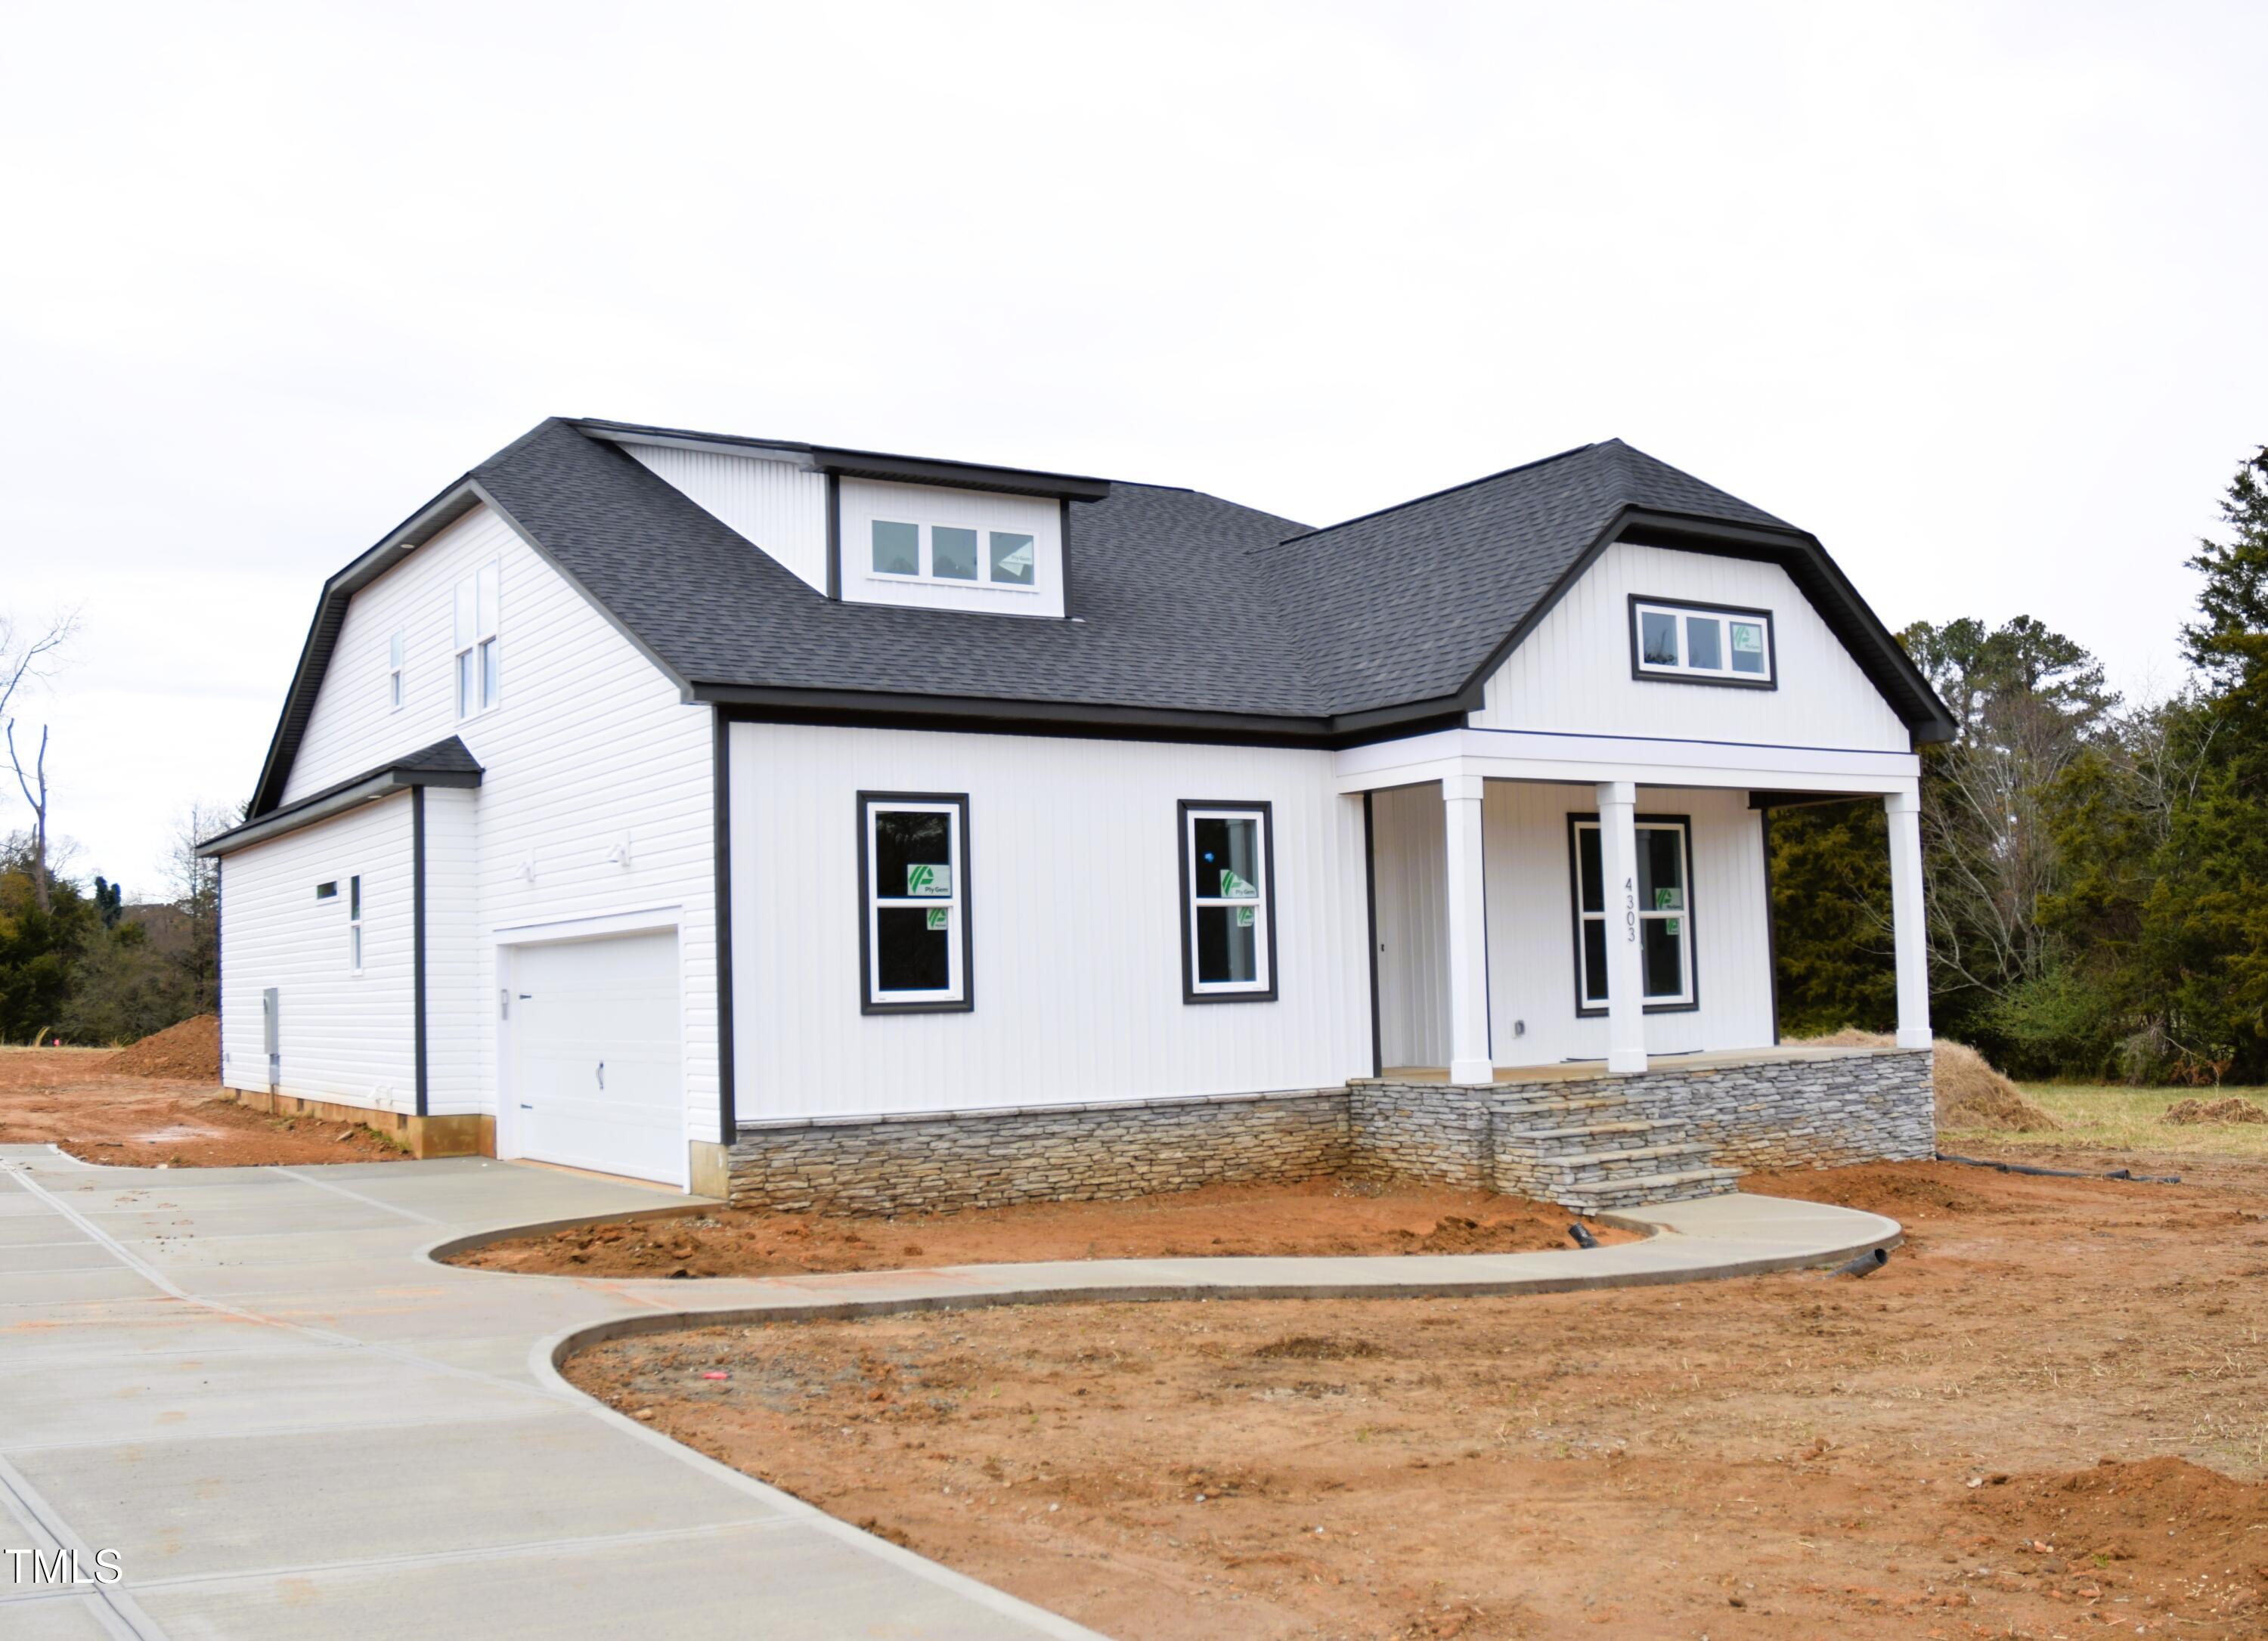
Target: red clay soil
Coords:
[(77, 1099), (1320, 1217), (189, 1051), (2047, 1416)]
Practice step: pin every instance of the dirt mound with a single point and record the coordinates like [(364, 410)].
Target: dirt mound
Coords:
[(2161, 1521), (189, 1051), (2228, 1108), (1899, 1189)]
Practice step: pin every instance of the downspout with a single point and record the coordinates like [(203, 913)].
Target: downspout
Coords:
[(417, 934)]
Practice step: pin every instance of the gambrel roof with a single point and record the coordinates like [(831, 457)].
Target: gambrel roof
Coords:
[(1190, 615)]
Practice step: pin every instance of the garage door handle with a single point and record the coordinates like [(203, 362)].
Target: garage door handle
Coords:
[(602, 1074)]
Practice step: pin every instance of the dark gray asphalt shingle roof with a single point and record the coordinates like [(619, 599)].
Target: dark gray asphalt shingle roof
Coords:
[(1155, 573), (1187, 601), (1187, 604)]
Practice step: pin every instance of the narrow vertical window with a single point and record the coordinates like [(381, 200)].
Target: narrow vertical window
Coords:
[(394, 672), (354, 924), (913, 886), (1664, 914), (1228, 895), (479, 673)]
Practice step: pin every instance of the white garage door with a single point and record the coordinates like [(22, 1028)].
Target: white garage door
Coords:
[(594, 1055)]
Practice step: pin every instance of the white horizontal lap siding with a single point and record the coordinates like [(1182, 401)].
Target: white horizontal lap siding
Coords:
[(589, 746), (346, 1037), (779, 505), (1573, 673), (1074, 878), (1532, 931)]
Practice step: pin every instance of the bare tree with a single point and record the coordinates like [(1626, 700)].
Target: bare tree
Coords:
[(26, 658)]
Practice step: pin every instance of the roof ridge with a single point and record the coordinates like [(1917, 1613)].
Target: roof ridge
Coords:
[(1451, 490)]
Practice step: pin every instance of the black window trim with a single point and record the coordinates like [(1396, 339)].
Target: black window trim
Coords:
[(1679, 675), (1576, 821), (1267, 813), (966, 1003)]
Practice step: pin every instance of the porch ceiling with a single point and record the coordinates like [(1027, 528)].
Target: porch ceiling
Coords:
[(1583, 759)]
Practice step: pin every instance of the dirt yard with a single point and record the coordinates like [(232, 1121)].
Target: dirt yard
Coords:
[(74, 1098), (1321, 1217), (2047, 1417)]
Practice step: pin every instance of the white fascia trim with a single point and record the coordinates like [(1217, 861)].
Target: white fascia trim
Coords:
[(794, 456), (647, 920), (1586, 759)]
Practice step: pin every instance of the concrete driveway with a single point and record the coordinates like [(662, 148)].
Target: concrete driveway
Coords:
[(247, 1395), (246, 1384)]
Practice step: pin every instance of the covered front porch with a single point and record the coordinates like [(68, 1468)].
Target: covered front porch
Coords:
[(1552, 906)]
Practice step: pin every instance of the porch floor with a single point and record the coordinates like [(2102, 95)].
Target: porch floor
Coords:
[(1586, 1070)]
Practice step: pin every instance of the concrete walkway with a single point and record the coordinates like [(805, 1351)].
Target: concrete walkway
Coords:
[(250, 1384)]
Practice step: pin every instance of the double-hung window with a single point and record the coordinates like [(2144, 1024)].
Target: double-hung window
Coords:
[(1228, 902), (394, 647), (1702, 644), (480, 670), (354, 923), (913, 895), (1656, 911), (949, 552)]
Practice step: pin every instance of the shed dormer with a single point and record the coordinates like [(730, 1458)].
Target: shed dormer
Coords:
[(870, 528)]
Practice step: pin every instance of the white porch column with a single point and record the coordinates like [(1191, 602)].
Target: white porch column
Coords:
[(1469, 1060), (1618, 876), (1908, 920)]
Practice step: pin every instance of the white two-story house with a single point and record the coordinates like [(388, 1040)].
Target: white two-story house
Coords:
[(844, 828)]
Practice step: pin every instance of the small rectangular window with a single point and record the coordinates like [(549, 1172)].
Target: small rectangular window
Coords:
[(354, 923), (327, 891), (1656, 911), (897, 549), (1701, 643), (1015, 558), (953, 552), (480, 667), (1228, 895), (913, 885), (394, 647)]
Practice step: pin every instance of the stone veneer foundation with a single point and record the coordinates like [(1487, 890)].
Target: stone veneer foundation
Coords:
[(1591, 1142)]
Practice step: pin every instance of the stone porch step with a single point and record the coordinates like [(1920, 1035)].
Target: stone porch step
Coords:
[(1649, 1190), (1585, 1136)]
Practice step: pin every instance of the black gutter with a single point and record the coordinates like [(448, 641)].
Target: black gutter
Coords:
[(896, 709)]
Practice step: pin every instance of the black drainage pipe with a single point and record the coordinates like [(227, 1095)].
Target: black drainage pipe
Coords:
[(1583, 1239), (2061, 1174), (1865, 1265)]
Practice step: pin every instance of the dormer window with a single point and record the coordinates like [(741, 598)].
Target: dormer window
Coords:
[(1702, 644), (953, 553)]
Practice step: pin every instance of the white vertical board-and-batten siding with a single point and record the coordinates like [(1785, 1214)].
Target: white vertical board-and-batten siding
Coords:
[(780, 506), (1531, 931), (589, 748), (1571, 675), (345, 1037), (1074, 880)]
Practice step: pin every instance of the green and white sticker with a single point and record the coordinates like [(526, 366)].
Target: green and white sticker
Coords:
[(1244, 917), (941, 916), (1748, 637), (1666, 900), (1235, 888), (925, 880)]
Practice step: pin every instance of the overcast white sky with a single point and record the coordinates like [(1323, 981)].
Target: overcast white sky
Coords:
[(1973, 291)]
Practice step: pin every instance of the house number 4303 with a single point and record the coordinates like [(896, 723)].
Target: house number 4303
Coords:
[(1630, 908)]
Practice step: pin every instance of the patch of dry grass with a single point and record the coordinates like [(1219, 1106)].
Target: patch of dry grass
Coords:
[(2110, 1117)]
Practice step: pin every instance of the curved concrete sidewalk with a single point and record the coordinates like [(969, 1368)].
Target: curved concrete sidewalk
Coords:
[(249, 1384)]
